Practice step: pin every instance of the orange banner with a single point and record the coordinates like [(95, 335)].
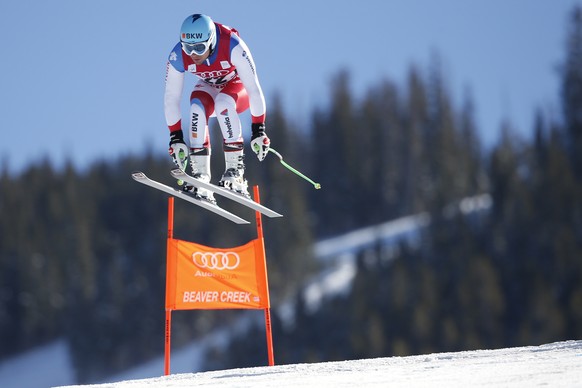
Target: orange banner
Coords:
[(200, 277)]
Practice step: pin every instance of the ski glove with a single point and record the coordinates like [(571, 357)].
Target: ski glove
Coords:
[(260, 142), (178, 150)]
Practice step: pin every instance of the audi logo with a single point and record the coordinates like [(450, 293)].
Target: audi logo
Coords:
[(216, 260), (212, 74)]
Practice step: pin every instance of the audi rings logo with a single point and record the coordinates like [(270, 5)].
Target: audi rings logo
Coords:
[(216, 260)]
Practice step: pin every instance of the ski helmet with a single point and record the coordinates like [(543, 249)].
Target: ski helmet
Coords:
[(198, 34)]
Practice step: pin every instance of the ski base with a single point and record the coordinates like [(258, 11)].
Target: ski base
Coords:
[(140, 177), (179, 174)]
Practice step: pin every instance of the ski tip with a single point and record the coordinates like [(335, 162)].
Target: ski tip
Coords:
[(138, 175)]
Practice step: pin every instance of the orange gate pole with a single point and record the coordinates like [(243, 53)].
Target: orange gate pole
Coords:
[(268, 329), (168, 331)]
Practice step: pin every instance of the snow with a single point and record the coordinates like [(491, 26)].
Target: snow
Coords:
[(332, 282), (475, 204), (391, 231), (556, 365), (50, 364)]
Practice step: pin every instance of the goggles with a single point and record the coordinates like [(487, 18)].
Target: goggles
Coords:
[(198, 48)]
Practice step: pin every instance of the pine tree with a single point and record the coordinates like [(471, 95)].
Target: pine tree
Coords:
[(572, 89)]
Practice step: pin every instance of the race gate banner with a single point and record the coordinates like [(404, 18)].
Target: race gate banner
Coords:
[(200, 277)]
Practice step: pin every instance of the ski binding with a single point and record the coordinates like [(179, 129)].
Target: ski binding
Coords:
[(181, 175)]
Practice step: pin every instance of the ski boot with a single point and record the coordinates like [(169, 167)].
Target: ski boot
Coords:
[(200, 164), (233, 177)]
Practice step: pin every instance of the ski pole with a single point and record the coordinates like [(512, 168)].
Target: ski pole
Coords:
[(315, 184)]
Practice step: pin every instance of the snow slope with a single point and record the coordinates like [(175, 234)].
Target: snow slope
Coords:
[(555, 365), (46, 365)]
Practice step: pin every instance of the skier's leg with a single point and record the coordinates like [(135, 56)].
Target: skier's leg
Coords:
[(233, 177), (228, 104), (201, 107), (228, 119)]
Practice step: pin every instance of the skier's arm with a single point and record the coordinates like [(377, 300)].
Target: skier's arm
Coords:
[(173, 92), (172, 96), (243, 60)]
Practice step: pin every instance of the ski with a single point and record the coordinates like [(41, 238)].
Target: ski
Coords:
[(179, 174), (142, 178)]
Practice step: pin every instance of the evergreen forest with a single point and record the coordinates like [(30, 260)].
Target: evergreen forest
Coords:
[(82, 252)]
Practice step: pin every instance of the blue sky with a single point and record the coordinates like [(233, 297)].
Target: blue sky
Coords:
[(83, 81)]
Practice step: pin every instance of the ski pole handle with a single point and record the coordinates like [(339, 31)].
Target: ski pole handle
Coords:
[(315, 184)]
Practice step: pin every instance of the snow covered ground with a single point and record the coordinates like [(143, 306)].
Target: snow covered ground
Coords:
[(44, 366), (553, 365)]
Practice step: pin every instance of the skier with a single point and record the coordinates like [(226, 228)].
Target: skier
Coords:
[(227, 85)]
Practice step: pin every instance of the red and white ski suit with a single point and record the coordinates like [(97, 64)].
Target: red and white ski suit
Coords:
[(227, 85)]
